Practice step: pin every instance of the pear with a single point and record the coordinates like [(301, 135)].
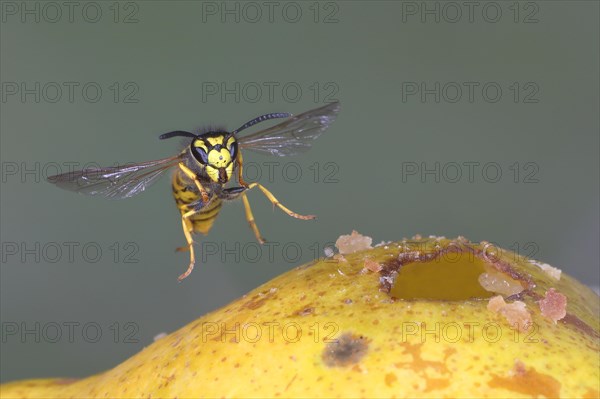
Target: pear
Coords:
[(423, 317)]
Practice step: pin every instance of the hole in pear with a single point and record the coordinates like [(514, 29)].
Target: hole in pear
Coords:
[(452, 276)]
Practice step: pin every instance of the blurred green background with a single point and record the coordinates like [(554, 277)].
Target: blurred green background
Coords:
[(502, 87)]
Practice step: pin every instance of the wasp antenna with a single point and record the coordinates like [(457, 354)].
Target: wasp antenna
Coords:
[(262, 118), (176, 133)]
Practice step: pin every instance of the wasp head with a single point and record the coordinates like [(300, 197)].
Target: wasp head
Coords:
[(216, 151)]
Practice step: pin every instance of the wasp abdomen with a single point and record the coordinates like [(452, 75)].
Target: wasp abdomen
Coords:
[(187, 196)]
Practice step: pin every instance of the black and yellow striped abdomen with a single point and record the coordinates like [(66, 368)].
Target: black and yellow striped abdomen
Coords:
[(186, 193)]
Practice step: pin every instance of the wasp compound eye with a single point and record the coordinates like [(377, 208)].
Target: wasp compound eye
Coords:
[(200, 155), (199, 151), (233, 148)]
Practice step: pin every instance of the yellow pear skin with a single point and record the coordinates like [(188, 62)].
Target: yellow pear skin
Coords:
[(406, 319)]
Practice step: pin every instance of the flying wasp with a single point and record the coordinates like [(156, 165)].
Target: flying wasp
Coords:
[(202, 169)]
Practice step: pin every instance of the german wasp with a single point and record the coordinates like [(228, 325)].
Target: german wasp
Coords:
[(209, 160)]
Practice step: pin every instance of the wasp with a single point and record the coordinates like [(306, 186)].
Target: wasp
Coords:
[(208, 162)]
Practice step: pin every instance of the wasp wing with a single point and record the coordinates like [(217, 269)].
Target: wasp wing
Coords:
[(115, 182), (293, 136)]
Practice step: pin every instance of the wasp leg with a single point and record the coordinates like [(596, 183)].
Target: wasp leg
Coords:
[(250, 219), (187, 231), (240, 167), (276, 202), (188, 172), (233, 193)]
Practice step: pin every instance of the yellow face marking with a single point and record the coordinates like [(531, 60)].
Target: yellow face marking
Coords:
[(200, 144), (219, 159), (229, 170), (219, 163), (215, 140), (230, 142), (212, 173)]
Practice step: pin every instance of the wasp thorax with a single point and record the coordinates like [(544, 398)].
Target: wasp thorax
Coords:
[(216, 152)]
